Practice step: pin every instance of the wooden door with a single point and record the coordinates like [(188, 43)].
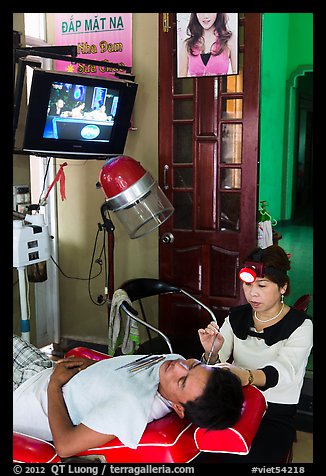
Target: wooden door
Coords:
[(208, 161)]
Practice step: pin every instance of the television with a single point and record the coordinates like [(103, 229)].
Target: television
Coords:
[(77, 116)]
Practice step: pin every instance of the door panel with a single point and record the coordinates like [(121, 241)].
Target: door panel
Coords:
[(208, 161), (223, 272), (207, 106), (188, 260), (205, 212)]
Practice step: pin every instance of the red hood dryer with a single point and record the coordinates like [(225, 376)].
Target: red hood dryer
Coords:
[(134, 196)]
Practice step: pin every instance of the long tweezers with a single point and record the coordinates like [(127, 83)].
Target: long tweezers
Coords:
[(135, 362), (211, 351), (148, 364)]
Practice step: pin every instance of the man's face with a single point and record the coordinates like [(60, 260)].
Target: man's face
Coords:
[(183, 380)]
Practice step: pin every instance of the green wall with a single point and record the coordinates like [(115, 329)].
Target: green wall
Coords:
[(287, 45)]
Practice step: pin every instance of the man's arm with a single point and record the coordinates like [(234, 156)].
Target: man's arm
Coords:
[(67, 438), (81, 362)]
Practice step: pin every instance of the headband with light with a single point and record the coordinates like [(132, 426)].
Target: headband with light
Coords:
[(253, 270)]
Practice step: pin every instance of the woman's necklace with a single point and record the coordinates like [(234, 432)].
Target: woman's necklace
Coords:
[(271, 318)]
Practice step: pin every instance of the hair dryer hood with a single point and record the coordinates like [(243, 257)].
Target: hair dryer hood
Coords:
[(134, 196)]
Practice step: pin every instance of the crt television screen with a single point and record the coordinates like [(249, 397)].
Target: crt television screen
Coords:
[(73, 115), (80, 112)]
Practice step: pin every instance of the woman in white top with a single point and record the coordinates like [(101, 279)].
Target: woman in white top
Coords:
[(268, 343)]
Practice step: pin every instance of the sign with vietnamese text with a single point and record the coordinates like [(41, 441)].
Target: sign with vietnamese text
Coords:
[(98, 36)]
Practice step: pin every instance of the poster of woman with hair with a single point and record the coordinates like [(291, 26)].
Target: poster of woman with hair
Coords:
[(207, 44)]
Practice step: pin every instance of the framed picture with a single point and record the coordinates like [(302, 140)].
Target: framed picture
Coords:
[(207, 44)]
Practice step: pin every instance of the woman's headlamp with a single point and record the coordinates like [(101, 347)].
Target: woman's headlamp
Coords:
[(251, 271)]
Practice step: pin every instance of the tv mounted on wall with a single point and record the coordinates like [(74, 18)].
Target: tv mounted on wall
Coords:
[(78, 116)]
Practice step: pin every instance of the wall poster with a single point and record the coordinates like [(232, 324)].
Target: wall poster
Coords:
[(98, 36), (207, 44)]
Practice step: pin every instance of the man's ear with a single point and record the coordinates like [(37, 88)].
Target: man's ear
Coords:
[(179, 409)]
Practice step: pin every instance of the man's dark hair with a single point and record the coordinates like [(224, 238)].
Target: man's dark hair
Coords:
[(221, 403)]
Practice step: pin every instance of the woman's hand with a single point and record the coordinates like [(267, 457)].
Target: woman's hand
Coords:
[(207, 337), (243, 374), (256, 377)]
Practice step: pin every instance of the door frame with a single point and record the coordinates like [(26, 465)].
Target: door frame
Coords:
[(291, 124)]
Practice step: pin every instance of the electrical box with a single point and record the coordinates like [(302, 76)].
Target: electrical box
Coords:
[(31, 242)]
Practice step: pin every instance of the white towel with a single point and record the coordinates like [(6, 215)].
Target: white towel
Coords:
[(131, 333), (118, 402), (265, 234)]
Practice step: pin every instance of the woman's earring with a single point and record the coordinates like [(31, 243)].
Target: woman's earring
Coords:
[(282, 298)]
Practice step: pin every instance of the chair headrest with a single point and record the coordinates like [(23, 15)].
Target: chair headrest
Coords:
[(237, 439)]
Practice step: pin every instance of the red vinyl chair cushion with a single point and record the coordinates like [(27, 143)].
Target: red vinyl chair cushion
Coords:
[(27, 449)]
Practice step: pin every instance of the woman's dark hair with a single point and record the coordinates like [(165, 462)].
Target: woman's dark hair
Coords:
[(221, 403), (195, 31), (274, 259)]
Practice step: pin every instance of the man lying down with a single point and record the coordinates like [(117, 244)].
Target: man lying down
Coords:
[(80, 403)]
